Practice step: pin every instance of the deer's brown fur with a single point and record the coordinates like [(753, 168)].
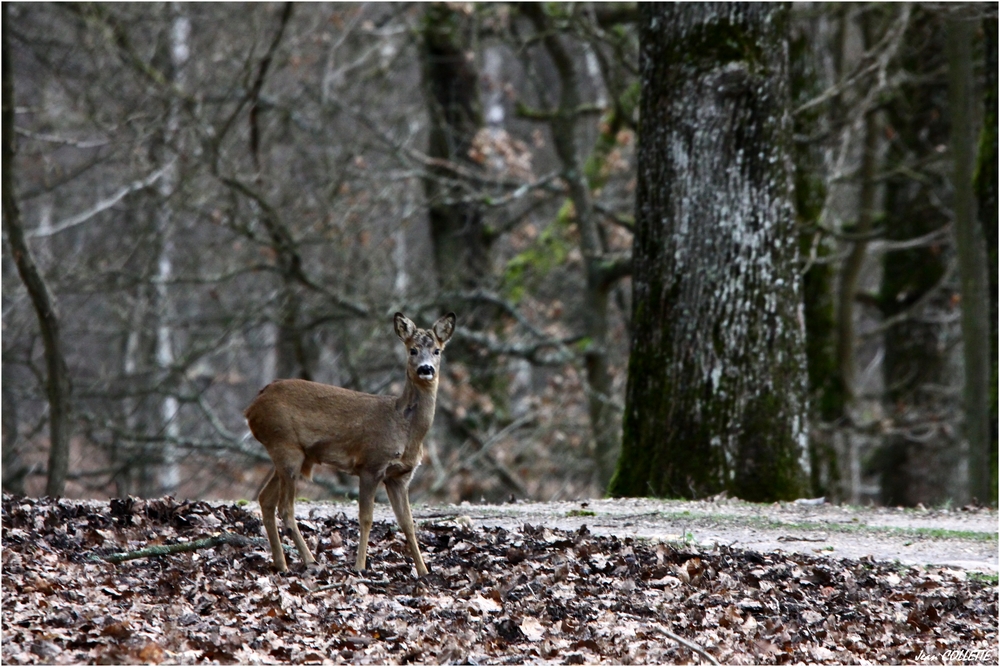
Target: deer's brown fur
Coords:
[(378, 438)]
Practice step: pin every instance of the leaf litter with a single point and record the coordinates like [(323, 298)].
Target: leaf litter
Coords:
[(494, 596)]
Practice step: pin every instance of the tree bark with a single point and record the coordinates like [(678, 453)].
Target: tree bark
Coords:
[(971, 263), (57, 375), (716, 394)]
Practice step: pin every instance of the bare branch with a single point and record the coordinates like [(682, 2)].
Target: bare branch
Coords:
[(265, 65), (531, 352), (912, 310), (880, 56), (102, 205), (942, 232), (65, 141)]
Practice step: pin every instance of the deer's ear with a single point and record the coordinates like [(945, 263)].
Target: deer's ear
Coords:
[(404, 327), (444, 328)]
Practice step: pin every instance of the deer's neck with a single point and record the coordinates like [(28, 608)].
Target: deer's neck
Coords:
[(416, 404)]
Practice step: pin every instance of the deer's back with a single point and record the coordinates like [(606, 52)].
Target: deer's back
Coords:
[(315, 416)]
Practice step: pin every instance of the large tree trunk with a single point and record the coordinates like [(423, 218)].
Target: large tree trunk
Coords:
[(971, 263), (716, 395), (57, 375), (294, 353)]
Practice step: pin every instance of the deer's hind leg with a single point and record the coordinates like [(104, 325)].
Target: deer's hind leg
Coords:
[(268, 499), (288, 463), (367, 483), (288, 471)]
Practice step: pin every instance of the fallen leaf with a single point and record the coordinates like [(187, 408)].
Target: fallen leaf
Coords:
[(532, 629)]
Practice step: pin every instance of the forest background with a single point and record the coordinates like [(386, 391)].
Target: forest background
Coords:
[(213, 196)]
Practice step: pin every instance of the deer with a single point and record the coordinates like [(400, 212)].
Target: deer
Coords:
[(378, 438)]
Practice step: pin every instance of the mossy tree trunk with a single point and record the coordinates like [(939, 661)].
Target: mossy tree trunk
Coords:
[(716, 393), (971, 260), (826, 393)]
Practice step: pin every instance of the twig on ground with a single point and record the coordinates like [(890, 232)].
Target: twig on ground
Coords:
[(181, 547), (351, 582), (691, 645)]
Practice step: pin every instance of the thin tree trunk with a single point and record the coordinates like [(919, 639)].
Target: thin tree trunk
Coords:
[(599, 274), (57, 375), (123, 454), (177, 45), (451, 88), (716, 394), (971, 263), (851, 271), (986, 191), (293, 353), (916, 461), (809, 78)]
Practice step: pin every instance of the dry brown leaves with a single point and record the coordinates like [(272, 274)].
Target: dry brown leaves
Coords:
[(493, 596)]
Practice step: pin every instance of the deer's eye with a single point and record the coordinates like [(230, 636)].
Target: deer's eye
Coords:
[(413, 351), (437, 351)]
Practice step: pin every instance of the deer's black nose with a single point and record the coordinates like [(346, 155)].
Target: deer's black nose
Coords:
[(425, 372)]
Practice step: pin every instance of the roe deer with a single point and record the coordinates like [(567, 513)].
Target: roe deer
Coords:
[(377, 438)]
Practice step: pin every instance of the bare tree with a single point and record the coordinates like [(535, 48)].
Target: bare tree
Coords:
[(971, 252), (986, 193), (258, 210), (57, 382), (601, 269)]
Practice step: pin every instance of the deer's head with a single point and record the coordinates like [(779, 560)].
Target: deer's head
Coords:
[(424, 346)]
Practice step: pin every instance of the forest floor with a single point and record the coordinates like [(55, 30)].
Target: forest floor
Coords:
[(605, 581)]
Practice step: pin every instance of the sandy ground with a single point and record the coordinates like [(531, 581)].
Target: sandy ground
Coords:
[(944, 537)]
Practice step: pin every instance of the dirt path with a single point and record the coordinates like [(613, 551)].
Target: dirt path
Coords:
[(954, 538)]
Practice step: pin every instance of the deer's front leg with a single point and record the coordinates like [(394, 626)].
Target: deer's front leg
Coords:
[(397, 488), (366, 511)]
